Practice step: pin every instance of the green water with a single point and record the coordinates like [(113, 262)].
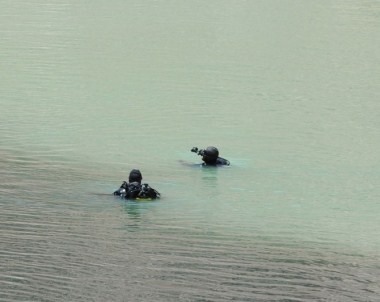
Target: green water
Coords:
[(287, 90)]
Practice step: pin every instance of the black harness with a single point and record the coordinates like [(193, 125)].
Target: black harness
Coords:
[(135, 190)]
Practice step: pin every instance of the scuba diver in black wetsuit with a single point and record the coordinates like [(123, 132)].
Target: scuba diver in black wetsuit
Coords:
[(134, 189), (210, 156)]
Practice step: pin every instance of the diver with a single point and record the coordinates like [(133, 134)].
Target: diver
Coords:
[(210, 156), (134, 189)]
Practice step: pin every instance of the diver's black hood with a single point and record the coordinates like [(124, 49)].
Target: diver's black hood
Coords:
[(210, 155), (135, 175)]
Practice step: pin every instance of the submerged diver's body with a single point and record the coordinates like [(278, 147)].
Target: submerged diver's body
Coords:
[(210, 157), (134, 189)]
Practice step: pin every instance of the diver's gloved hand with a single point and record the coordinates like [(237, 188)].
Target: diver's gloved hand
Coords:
[(120, 191)]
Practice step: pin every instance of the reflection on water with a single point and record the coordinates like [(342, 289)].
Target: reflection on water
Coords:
[(288, 91), (209, 176)]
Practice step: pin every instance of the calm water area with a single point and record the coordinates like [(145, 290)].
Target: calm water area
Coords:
[(289, 91)]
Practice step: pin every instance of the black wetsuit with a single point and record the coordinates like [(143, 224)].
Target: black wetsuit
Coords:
[(218, 162), (136, 190)]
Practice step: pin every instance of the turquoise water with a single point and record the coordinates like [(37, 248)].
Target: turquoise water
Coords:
[(287, 90)]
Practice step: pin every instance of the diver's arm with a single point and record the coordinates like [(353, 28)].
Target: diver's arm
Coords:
[(222, 161), (122, 189)]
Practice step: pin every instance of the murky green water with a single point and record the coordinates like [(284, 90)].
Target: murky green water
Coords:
[(287, 90)]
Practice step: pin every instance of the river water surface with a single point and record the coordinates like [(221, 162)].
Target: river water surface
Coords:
[(289, 91)]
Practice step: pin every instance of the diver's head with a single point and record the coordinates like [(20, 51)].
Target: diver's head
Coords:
[(210, 155), (135, 175)]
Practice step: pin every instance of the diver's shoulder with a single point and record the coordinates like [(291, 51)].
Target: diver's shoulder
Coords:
[(222, 161)]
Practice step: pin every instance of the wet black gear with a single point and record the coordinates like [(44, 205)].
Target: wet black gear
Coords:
[(210, 156), (136, 190)]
